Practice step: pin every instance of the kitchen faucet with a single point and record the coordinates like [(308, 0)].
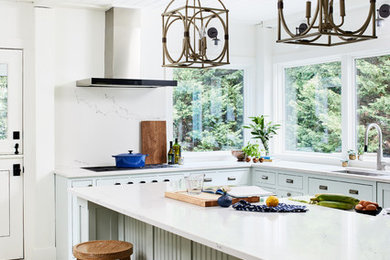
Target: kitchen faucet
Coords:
[(380, 165)]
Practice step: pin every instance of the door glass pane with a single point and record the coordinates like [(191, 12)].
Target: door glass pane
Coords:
[(373, 91), (3, 101), (313, 108)]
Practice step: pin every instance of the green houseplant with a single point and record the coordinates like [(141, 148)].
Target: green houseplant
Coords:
[(251, 150), (262, 130)]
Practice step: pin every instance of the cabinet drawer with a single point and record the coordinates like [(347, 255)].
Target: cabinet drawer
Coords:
[(359, 191), (114, 181), (290, 181), (84, 183), (260, 178), (286, 193), (212, 178), (235, 177)]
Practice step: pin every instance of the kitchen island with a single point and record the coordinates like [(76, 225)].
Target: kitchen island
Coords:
[(162, 228)]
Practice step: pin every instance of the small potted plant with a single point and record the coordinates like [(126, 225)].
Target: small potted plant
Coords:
[(352, 155), (344, 162), (262, 130), (251, 150)]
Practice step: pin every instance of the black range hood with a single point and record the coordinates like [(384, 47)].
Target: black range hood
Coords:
[(125, 83)]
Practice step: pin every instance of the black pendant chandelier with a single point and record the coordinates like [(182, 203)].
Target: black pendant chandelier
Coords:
[(195, 35), (321, 28)]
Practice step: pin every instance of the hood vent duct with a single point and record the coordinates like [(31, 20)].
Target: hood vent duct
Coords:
[(122, 60)]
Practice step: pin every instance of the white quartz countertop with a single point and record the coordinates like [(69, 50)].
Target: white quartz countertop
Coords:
[(320, 233), (299, 167)]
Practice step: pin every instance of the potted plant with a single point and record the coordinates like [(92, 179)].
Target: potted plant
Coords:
[(344, 162), (251, 150), (262, 130), (352, 155)]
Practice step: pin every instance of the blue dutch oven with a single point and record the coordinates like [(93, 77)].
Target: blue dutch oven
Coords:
[(130, 160)]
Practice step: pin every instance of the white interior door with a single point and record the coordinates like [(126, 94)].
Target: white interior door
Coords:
[(11, 209), (11, 175), (11, 121)]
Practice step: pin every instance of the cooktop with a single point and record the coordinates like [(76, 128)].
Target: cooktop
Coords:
[(114, 168)]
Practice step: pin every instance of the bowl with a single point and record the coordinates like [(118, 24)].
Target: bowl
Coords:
[(370, 212), (240, 155)]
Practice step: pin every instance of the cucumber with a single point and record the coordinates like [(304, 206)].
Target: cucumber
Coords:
[(336, 197), (336, 205)]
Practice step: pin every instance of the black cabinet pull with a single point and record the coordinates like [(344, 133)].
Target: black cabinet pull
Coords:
[(90, 185), (166, 180), (288, 194), (323, 187), (154, 181), (17, 169), (231, 178), (130, 182), (290, 181), (117, 183), (264, 177), (16, 148), (208, 180), (142, 182), (354, 192)]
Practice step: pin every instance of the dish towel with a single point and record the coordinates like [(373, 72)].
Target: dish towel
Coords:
[(243, 205)]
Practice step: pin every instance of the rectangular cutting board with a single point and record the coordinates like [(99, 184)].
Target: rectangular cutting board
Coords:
[(204, 199), (154, 141)]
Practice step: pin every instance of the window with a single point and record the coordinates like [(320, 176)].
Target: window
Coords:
[(209, 109), (313, 108), (3, 101), (373, 100)]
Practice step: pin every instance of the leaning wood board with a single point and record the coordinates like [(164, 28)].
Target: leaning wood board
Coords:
[(204, 199), (154, 141)]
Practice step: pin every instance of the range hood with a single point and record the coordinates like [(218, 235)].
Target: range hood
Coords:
[(122, 55)]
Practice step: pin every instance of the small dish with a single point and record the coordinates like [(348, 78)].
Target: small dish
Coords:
[(370, 212)]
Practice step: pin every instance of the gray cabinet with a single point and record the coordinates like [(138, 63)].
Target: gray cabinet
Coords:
[(383, 194)]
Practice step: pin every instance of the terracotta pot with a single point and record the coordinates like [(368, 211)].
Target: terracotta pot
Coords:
[(255, 160), (261, 160), (344, 164), (352, 156), (248, 159), (240, 155)]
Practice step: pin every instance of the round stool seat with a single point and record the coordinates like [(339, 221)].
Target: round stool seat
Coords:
[(103, 250)]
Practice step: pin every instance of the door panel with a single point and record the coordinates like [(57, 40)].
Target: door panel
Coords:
[(11, 79), (11, 210)]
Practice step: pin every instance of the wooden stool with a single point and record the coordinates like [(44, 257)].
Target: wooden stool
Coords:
[(103, 250)]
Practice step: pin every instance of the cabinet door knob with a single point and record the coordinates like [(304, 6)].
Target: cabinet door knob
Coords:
[(354, 192), (288, 194), (264, 177), (231, 178), (323, 187), (290, 181), (208, 179)]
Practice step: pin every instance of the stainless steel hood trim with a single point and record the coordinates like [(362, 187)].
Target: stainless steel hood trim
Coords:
[(125, 83)]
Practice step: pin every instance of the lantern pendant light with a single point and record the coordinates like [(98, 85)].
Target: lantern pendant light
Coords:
[(322, 30), (199, 35)]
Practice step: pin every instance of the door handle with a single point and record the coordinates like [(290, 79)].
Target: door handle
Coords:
[(323, 187), (17, 169), (290, 181), (208, 180), (354, 192), (231, 178), (16, 148)]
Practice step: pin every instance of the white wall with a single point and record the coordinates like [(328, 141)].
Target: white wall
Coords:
[(93, 124)]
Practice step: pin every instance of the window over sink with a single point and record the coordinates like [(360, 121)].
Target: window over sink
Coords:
[(208, 109)]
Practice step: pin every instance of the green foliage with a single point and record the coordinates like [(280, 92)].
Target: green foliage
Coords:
[(252, 150), (208, 109), (373, 84), (262, 131), (313, 108)]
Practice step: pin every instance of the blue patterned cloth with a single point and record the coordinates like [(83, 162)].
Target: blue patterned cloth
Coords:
[(243, 205)]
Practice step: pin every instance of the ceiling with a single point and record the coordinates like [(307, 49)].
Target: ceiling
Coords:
[(248, 11)]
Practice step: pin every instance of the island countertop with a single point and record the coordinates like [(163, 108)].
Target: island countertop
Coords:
[(320, 233)]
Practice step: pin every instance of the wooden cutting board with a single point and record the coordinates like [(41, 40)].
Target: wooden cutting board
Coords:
[(204, 199), (154, 141)]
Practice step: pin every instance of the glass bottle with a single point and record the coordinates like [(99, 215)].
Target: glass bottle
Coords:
[(171, 154), (177, 151)]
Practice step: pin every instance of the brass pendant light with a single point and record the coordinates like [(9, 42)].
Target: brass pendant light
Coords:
[(198, 27), (321, 29)]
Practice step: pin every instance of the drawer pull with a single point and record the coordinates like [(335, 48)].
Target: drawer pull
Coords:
[(90, 185), (208, 179), (154, 181), (231, 178), (288, 194), (323, 187), (354, 192), (117, 183), (264, 177), (130, 182), (166, 180), (142, 182), (290, 181)]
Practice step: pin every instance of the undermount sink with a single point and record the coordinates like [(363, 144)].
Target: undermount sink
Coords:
[(360, 172)]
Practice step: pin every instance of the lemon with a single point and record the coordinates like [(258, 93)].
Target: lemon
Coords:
[(272, 201)]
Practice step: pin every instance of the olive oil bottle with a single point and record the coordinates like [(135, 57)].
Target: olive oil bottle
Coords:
[(177, 151), (171, 154)]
